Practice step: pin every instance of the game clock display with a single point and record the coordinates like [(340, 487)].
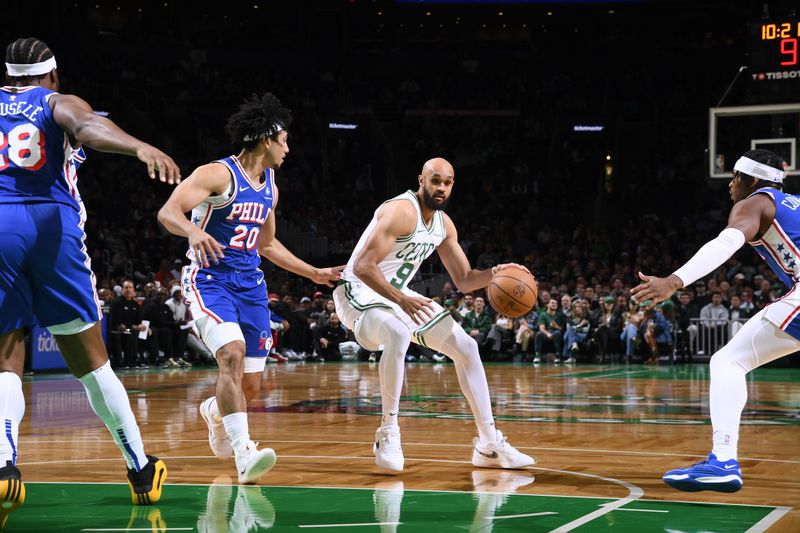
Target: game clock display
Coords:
[(774, 45)]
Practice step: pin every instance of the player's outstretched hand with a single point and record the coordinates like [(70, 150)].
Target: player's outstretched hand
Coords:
[(328, 276), (159, 162), (419, 308), (655, 289), (205, 247)]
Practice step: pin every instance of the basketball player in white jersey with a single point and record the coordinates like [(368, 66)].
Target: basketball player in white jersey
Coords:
[(373, 300)]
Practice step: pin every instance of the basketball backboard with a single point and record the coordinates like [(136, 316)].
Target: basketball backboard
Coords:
[(735, 130)]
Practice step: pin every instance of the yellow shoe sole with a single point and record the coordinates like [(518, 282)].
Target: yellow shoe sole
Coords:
[(12, 495), (151, 497)]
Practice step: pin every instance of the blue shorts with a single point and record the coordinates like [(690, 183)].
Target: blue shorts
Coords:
[(231, 296), (45, 272)]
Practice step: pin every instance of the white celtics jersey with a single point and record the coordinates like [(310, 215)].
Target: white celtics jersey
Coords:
[(408, 252)]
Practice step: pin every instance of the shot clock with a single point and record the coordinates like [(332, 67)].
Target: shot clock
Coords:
[(775, 49)]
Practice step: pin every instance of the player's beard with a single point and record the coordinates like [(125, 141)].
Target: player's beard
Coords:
[(430, 203)]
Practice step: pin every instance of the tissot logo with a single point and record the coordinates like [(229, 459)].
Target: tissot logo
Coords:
[(780, 75)]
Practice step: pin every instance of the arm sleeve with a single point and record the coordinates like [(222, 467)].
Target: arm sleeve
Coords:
[(711, 255)]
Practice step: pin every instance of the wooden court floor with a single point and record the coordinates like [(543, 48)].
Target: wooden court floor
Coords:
[(602, 436)]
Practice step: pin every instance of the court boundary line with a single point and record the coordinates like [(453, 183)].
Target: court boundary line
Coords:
[(769, 520), (439, 444)]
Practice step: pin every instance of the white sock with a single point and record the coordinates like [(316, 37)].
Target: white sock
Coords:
[(463, 350), (110, 402), (12, 409), (238, 431)]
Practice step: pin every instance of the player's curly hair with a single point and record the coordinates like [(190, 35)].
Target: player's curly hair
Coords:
[(768, 158), (26, 51), (257, 118)]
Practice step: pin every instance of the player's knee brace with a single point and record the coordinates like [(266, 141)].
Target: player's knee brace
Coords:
[(216, 335)]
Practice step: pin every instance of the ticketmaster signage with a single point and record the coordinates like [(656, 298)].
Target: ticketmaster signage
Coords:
[(45, 354)]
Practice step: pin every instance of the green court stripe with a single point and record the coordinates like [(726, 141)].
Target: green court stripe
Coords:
[(52, 507)]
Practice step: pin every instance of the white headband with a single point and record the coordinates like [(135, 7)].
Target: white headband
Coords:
[(759, 170), (33, 69), (276, 128)]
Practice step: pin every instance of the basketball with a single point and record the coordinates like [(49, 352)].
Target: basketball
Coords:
[(512, 292)]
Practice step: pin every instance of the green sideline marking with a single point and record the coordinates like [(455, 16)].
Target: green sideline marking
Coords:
[(106, 507)]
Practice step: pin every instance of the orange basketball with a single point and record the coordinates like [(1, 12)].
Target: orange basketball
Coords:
[(512, 292)]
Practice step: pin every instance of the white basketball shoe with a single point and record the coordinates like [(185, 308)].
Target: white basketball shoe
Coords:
[(217, 436), (387, 450), (253, 463), (499, 454)]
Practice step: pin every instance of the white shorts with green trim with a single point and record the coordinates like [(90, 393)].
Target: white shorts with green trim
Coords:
[(354, 299)]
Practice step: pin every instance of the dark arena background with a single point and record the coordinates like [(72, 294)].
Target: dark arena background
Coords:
[(590, 141)]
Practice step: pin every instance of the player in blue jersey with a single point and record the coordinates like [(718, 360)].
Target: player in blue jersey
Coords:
[(233, 203), (767, 218), (45, 273)]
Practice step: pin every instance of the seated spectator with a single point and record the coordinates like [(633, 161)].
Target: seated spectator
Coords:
[(765, 294), (607, 328), (450, 305), (501, 334), (331, 336), (181, 333), (317, 306), (685, 312), (577, 332), (714, 321), (477, 322), (525, 329), (162, 326), (447, 291), (738, 314), (124, 327), (316, 327), (467, 305), (630, 332), (566, 306), (658, 333), (551, 324)]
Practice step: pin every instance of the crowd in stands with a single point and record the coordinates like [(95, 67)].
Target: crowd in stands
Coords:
[(525, 192)]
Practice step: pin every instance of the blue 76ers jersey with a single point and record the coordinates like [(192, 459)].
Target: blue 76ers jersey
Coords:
[(235, 218), (34, 150), (780, 244)]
